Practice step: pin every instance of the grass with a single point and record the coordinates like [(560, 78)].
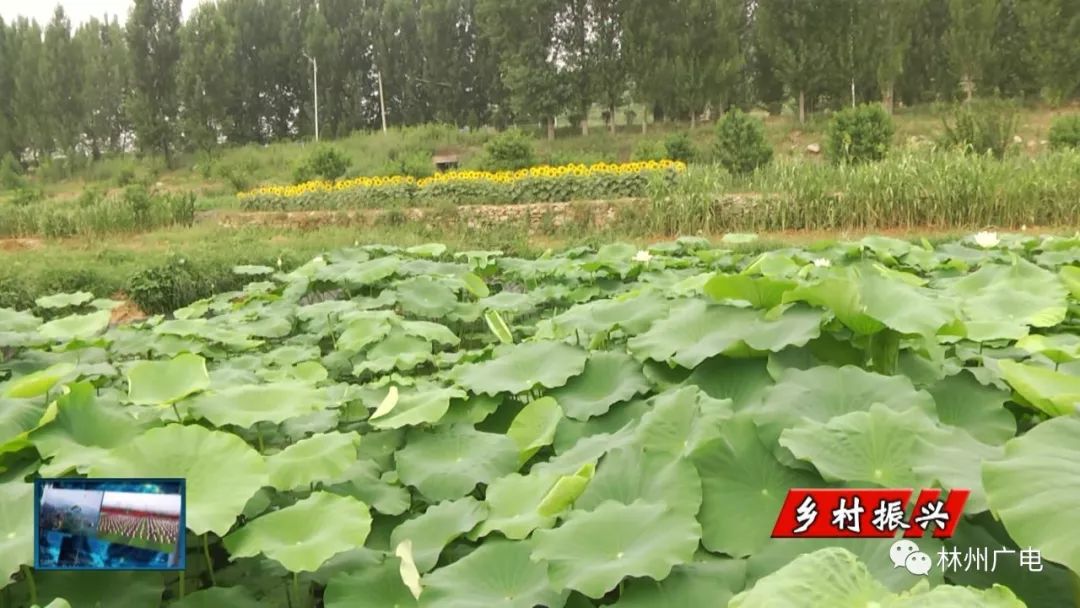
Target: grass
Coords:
[(910, 189), (134, 210), (169, 268)]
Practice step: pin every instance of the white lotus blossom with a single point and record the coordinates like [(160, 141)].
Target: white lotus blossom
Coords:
[(279, 262), (987, 240), (822, 263), (642, 256)]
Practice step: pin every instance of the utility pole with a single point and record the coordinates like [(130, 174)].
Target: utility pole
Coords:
[(315, 68), (382, 102)]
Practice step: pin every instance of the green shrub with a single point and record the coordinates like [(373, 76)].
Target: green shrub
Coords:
[(1065, 132), (166, 287), (650, 149), (679, 147), (237, 174), (860, 134), (91, 196), (982, 127), (52, 170), (28, 195), (58, 224), (325, 162), (126, 176), (509, 151), (740, 143), (10, 173), (414, 163)]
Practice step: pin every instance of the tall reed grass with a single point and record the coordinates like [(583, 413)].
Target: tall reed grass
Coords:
[(135, 210), (910, 189)]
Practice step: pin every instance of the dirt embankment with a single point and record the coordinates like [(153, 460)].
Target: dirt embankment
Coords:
[(595, 213)]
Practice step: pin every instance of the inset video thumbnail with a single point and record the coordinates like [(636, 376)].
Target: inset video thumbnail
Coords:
[(110, 524)]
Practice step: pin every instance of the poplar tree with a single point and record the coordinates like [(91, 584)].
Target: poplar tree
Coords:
[(153, 36)]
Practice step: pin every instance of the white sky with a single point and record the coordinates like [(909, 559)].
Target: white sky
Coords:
[(78, 10)]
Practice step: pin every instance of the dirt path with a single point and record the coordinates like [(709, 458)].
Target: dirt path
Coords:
[(314, 218)]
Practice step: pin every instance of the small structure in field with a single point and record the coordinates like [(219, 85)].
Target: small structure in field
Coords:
[(445, 161)]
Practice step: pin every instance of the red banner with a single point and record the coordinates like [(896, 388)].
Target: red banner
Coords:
[(868, 513)]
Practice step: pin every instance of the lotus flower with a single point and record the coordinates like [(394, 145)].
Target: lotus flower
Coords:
[(987, 240), (643, 256), (822, 263)]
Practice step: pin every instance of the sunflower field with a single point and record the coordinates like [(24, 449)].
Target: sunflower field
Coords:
[(416, 427), (533, 185)]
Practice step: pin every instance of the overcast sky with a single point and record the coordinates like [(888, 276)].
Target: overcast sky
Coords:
[(77, 10)]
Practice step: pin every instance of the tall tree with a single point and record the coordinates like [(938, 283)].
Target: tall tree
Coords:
[(399, 60), (609, 55), (1010, 71), (649, 51), (153, 35), (31, 123), (709, 56), (972, 29), (797, 36), (928, 73), (575, 57), (522, 33), (204, 77), (891, 22), (1053, 27), (8, 142), (765, 84), (105, 85), (63, 69)]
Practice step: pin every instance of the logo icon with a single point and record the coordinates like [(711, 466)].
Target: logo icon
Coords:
[(906, 554)]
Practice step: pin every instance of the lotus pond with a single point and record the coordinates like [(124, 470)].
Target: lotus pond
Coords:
[(387, 427)]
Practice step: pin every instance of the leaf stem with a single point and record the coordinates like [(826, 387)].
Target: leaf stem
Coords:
[(296, 588), (177, 412), (181, 584), (30, 583), (258, 433), (209, 562)]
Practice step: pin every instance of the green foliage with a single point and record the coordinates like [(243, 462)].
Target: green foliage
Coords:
[(1065, 132), (861, 134), (909, 190), (27, 195), (171, 285), (982, 127), (508, 151), (237, 173), (680, 147), (126, 176), (740, 143), (11, 177), (650, 149), (325, 162), (414, 163), (135, 209)]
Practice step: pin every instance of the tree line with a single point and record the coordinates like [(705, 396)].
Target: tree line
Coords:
[(241, 71)]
